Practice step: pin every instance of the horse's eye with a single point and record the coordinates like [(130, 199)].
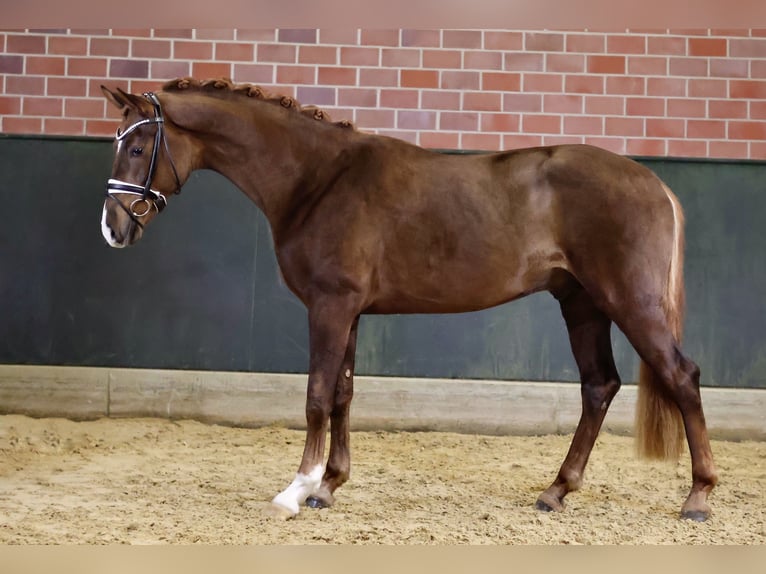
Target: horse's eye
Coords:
[(136, 151)]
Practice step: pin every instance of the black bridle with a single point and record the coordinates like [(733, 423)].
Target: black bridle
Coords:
[(149, 197)]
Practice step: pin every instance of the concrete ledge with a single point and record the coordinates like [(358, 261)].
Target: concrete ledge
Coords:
[(380, 403), (73, 392)]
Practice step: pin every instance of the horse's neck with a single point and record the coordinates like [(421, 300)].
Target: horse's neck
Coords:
[(266, 152)]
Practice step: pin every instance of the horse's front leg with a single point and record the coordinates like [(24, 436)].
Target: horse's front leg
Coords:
[(330, 324), (339, 460)]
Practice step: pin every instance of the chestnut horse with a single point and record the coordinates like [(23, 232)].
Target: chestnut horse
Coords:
[(370, 224)]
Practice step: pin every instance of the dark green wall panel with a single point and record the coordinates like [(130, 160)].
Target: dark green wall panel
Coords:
[(201, 290), (725, 206)]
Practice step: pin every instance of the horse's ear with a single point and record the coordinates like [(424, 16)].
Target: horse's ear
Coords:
[(114, 98), (122, 99)]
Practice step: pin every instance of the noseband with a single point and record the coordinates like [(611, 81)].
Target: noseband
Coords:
[(147, 197)]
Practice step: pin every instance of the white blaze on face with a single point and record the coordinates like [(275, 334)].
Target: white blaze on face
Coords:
[(106, 231), (303, 486)]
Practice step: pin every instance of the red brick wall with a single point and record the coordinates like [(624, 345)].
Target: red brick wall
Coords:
[(692, 93)]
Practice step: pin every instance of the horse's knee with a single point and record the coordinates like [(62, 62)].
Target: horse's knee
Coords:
[(318, 408), (597, 392), (344, 393)]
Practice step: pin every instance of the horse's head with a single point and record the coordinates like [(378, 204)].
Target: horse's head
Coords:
[(144, 173)]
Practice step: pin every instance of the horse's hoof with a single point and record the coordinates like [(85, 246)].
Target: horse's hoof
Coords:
[(695, 508), (695, 515), (549, 503), (322, 498), (314, 502), (544, 506), (279, 512)]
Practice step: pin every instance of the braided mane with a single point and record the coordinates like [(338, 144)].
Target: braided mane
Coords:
[(225, 85)]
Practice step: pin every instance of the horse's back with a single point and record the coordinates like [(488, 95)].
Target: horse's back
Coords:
[(432, 232)]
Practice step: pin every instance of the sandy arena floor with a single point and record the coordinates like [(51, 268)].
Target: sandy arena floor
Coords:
[(150, 481)]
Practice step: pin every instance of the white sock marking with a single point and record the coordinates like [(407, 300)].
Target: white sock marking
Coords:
[(302, 486)]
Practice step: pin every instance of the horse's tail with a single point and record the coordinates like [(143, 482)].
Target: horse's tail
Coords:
[(659, 427)]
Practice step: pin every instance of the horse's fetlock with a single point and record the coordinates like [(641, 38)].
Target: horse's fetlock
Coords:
[(573, 480), (574, 483), (338, 477)]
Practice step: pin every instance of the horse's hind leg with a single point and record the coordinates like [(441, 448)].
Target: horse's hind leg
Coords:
[(592, 348), (339, 461), (668, 373)]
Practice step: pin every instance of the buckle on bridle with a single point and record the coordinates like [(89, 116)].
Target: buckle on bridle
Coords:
[(139, 200), (153, 199)]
